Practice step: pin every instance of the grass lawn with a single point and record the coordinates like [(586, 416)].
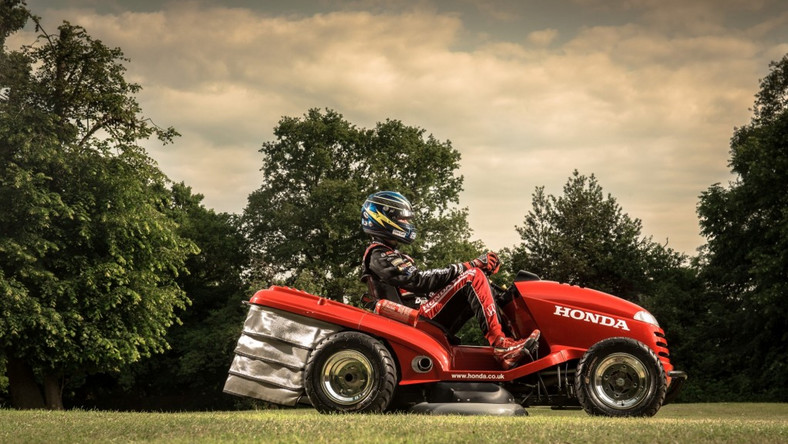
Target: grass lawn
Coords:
[(681, 423)]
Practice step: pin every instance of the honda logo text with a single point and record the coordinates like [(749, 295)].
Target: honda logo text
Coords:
[(594, 318)]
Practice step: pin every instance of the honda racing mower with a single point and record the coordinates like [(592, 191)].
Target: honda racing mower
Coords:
[(597, 351)]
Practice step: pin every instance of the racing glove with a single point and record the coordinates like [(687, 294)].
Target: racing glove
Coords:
[(487, 262)]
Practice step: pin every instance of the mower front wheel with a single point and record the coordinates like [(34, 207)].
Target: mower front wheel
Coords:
[(620, 377), (350, 372)]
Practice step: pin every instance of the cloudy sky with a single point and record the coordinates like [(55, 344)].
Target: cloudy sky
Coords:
[(644, 94)]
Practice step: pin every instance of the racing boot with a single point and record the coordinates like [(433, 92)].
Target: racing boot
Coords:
[(509, 352)]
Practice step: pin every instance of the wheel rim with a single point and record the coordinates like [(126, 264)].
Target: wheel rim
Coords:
[(621, 381), (347, 377)]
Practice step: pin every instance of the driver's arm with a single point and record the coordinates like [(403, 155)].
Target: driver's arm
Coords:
[(397, 269)]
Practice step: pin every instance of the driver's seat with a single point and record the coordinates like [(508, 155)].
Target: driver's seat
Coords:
[(376, 292)]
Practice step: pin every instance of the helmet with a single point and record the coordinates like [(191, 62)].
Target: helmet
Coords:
[(387, 214)]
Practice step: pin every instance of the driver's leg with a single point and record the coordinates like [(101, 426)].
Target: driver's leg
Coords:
[(473, 287)]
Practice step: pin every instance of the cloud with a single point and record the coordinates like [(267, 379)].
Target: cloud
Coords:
[(647, 105), (542, 37)]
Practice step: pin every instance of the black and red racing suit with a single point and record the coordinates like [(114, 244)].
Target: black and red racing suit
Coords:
[(454, 293)]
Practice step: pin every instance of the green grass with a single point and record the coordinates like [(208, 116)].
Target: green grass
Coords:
[(682, 423)]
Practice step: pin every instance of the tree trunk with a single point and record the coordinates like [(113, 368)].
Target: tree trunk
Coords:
[(25, 393), (53, 392)]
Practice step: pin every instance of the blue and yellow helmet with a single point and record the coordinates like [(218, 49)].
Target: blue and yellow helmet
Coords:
[(387, 215)]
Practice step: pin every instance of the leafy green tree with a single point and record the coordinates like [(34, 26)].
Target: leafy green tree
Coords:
[(215, 284), (584, 238), (746, 226), (304, 221), (191, 374), (89, 250)]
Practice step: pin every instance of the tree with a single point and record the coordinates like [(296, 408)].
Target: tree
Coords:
[(585, 238), (89, 250), (203, 345), (304, 221), (191, 374), (746, 227)]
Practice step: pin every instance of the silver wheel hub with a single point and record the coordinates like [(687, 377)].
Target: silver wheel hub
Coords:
[(346, 377), (621, 381)]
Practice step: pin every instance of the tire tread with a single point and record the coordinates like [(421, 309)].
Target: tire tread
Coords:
[(582, 387), (385, 391)]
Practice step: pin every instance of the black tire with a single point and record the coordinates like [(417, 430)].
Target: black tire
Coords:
[(620, 377), (350, 372)]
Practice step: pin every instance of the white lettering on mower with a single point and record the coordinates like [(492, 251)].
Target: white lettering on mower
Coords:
[(594, 318), (480, 376)]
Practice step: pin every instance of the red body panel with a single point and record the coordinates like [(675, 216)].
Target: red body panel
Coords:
[(584, 318), (406, 342), (572, 317)]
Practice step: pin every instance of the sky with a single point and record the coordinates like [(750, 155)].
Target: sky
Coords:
[(644, 94)]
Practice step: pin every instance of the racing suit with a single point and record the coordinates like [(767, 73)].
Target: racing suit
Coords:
[(455, 293)]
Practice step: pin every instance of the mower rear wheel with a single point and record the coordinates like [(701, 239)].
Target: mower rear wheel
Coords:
[(620, 377), (350, 372)]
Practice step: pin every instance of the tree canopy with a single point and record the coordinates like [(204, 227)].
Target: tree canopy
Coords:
[(584, 238), (746, 265), (89, 248), (191, 374), (304, 221)]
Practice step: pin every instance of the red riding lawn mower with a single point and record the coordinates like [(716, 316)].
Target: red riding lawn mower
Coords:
[(602, 353)]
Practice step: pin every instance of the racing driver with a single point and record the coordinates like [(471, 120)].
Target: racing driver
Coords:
[(451, 291)]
